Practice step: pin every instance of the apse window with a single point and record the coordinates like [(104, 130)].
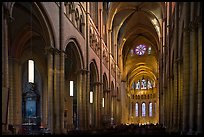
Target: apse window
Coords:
[(150, 109), (149, 50), (136, 110), (143, 110), (140, 49)]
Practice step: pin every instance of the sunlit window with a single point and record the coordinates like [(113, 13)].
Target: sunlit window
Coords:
[(140, 49), (143, 110), (31, 71), (71, 84), (149, 50), (150, 109), (136, 110), (149, 84), (133, 85), (131, 52), (144, 84), (138, 85)]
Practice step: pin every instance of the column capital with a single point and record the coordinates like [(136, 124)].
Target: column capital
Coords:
[(113, 95), (49, 49), (83, 71), (97, 83), (106, 90), (56, 51), (193, 25), (110, 30), (186, 29), (179, 60), (198, 20)]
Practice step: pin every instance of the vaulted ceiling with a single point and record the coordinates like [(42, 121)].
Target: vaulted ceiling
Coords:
[(136, 23)]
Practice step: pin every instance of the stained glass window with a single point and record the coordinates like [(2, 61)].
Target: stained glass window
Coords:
[(149, 85), (140, 49), (143, 110), (138, 85), (133, 85), (136, 110), (149, 50), (144, 84), (131, 52), (150, 109)]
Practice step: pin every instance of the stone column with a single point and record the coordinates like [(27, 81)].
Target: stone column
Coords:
[(5, 70), (193, 77), (176, 77), (98, 104), (50, 87), (84, 94), (133, 110), (62, 90), (199, 99), (80, 99), (87, 68), (105, 100), (17, 94), (124, 108), (186, 67), (56, 92)]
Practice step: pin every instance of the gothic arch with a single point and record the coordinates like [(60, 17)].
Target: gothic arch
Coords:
[(73, 64), (29, 35)]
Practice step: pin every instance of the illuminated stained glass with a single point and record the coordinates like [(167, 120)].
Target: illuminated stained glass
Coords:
[(140, 49), (136, 110), (149, 85), (144, 84), (143, 110), (150, 109), (149, 50), (138, 85)]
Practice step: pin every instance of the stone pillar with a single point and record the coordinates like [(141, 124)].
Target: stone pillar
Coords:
[(50, 87), (80, 99), (17, 94), (133, 110), (56, 92), (95, 104), (186, 67), (84, 94), (5, 70), (62, 90), (193, 77), (87, 67), (106, 102), (175, 94), (176, 77), (98, 105), (199, 99), (61, 70), (124, 108)]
